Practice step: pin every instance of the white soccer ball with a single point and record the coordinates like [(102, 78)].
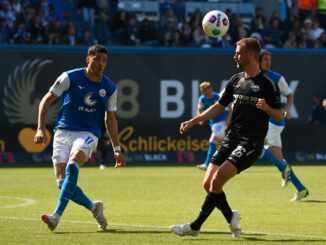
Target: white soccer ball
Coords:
[(215, 23)]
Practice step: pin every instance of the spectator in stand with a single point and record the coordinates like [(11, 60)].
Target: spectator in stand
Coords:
[(306, 8), (288, 23), (176, 39), (273, 35), (101, 19), (200, 38), (37, 31), (315, 30), (239, 30), (70, 36), (168, 16), (186, 35), (147, 33), (258, 22), (119, 23), (131, 33), (21, 36), (5, 32), (291, 41), (305, 42), (87, 8), (317, 115), (167, 32), (86, 38), (321, 42), (196, 19), (55, 32)]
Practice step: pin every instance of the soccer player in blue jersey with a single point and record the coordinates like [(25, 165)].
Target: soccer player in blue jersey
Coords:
[(218, 124), (273, 147), (89, 101)]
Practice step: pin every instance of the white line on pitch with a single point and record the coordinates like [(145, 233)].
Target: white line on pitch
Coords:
[(26, 202), (167, 228)]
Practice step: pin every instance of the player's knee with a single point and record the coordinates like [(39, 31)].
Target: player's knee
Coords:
[(206, 186)]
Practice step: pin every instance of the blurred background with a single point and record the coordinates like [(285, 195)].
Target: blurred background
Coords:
[(158, 55)]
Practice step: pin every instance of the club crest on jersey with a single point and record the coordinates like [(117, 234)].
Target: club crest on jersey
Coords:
[(255, 88), (88, 100), (102, 92)]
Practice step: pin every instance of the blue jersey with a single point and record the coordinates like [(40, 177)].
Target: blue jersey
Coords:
[(84, 102), (280, 82), (204, 103)]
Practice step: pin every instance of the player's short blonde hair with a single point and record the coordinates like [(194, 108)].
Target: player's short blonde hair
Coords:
[(205, 85)]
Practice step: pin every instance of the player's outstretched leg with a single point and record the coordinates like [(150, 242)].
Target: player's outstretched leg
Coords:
[(282, 167), (67, 190), (235, 224), (183, 230), (302, 190), (99, 215), (210, 153)]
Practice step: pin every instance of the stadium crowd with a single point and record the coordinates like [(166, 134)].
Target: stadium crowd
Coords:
[(39, 22)]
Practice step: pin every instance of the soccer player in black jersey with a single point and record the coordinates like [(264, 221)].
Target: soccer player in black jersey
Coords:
[(255, 98)]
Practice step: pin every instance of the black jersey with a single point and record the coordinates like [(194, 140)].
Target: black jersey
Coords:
[(247, 120)]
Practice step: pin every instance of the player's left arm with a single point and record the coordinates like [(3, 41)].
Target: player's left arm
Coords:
[(287, 92), (112, 128), (111, 125), (271, 103)]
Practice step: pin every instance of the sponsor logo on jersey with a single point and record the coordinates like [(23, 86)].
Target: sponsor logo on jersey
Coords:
[(102, 92), (88, 100), (254, 88)]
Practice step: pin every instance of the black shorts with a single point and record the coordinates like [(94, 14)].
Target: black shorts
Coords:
[(242, 153)]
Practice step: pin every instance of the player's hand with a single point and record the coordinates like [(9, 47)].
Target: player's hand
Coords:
[(261, 104), (119, 160), (185, 126), (324, 103), (287, 114), (40, 137)]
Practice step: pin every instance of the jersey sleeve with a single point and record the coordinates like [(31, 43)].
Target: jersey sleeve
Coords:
[(112, 102), (200, 105), (60, 85), (273, 97), (227, 95), (284, 87)]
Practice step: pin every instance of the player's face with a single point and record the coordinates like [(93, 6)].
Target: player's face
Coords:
[(241, 57), (96, 63), (207, 91), (266, 63)]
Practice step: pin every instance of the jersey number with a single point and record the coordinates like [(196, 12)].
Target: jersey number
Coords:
[(88, 140), (239, 151)]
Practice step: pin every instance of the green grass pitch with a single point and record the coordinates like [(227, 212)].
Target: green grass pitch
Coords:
[(142, 202)]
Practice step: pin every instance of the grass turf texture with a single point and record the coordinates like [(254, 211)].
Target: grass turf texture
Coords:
[(142, 202)]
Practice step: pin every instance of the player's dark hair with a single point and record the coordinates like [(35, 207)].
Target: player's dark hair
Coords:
[(262, 53), (251, 44), (96, 48)]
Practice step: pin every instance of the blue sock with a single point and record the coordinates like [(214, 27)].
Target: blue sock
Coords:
[(279, 164), (68, 188), (296, 182), (210, 152), (79, 197)]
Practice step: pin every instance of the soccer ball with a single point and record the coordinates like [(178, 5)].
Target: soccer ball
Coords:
[(215, 23)]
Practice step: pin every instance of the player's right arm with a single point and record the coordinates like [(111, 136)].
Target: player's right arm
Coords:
[(60, 85), (211, 112), (47, 100)]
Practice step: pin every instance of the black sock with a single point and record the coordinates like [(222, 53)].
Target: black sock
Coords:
[(206, 209), (223, 205)]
